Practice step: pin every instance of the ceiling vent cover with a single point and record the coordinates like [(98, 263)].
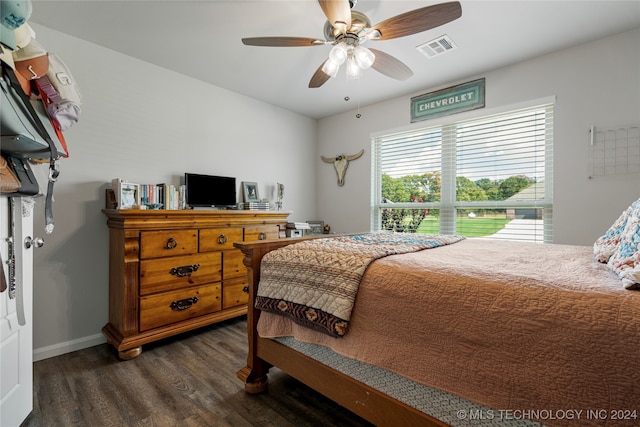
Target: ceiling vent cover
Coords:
[(437, 46)]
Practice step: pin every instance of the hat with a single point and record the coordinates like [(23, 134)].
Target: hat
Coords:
[(31, 61), (13, 14), (6, 38)]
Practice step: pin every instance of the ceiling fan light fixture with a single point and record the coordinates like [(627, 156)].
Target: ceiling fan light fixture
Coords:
[(339, 53), (353, 69), (330, 67), (364, 57)]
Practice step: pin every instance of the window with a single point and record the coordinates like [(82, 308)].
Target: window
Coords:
[(485, 177)]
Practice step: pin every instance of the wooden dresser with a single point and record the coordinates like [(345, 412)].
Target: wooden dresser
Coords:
[(171, 271)]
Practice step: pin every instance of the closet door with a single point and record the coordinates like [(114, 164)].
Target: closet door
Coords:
[(16, 326)]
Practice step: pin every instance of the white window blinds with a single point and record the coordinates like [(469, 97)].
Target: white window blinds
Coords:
[(489, 177)]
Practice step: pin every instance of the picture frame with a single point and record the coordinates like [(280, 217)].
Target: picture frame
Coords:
[(250, 191), (128, 195), (317, 227)]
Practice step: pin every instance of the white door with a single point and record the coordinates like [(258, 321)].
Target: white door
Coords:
[(16, 326)]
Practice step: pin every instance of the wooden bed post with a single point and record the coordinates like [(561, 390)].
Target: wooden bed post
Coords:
[(254, 374)]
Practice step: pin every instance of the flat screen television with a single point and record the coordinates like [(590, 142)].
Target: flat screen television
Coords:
[(209, 190)]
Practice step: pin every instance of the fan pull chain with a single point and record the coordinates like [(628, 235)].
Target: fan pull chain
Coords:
[(347, 98), (358, 115)]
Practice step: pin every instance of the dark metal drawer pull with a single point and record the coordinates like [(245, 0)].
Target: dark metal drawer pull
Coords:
[(185, 270), (262, 236), (183, 304), (222, 239), (171, 243), (245, 289)]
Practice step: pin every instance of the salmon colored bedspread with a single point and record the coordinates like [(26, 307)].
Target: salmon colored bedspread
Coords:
[(522, 328)]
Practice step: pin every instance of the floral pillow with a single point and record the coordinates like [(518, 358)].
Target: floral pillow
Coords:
[(626, 259), (607, 244)]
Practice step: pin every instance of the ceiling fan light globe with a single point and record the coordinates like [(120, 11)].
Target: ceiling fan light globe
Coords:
[(353, 69), (330, 68), (339, 53), (364, 57)]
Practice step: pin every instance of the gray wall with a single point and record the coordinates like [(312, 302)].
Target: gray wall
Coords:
[(594, 84), (148, 125)]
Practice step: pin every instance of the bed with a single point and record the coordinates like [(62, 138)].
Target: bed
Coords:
[(504, 333)]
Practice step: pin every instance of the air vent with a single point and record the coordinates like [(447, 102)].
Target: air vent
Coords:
[(437, 46)]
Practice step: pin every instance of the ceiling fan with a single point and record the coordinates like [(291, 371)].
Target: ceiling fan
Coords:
[(348, 29)]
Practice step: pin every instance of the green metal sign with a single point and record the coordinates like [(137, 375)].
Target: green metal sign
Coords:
[(455, 99)]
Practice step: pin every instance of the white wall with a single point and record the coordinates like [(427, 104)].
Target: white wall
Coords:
[(149, 125), (596, 84)]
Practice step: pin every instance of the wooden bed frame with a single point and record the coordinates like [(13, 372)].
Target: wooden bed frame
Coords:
[(372, 405)]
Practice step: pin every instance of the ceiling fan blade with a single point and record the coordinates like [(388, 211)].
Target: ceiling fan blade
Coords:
[(282, 41), (319, 77), (390, 66), (337, 12), (416, 21)]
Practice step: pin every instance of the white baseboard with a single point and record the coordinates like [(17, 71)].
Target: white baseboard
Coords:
[(67, 347)]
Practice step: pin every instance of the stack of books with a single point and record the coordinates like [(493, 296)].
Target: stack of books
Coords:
[(166, 196), (256, 206)]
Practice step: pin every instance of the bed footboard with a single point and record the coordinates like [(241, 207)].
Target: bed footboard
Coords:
[(359, 398)]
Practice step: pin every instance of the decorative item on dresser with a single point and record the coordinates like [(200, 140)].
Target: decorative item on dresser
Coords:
[(171, 271)]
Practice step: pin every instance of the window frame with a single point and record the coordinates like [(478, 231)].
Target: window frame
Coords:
[(448, 206)]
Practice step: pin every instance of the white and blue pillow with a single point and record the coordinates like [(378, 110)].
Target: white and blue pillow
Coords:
[(624, 238), (607, 244)]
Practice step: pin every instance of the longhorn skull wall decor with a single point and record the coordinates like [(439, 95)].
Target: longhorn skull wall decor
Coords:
[(340, 163)]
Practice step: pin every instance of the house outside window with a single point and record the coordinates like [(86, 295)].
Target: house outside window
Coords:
[(486, 177)]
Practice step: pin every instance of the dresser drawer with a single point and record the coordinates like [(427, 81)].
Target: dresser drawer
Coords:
[(163, 274), (233, 293), (217, 239), (261, 232), (170, 307), (154, 244), (232, 265)]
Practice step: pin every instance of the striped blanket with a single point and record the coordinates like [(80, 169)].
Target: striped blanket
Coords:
[(315, 282)]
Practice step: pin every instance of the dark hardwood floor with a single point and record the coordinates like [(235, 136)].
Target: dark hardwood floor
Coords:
[(188, 380)]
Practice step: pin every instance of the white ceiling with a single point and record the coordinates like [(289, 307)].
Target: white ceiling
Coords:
[(201, 39)]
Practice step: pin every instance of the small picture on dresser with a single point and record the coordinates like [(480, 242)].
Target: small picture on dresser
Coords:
[(317, 227), (250, 191), (129, 195)]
